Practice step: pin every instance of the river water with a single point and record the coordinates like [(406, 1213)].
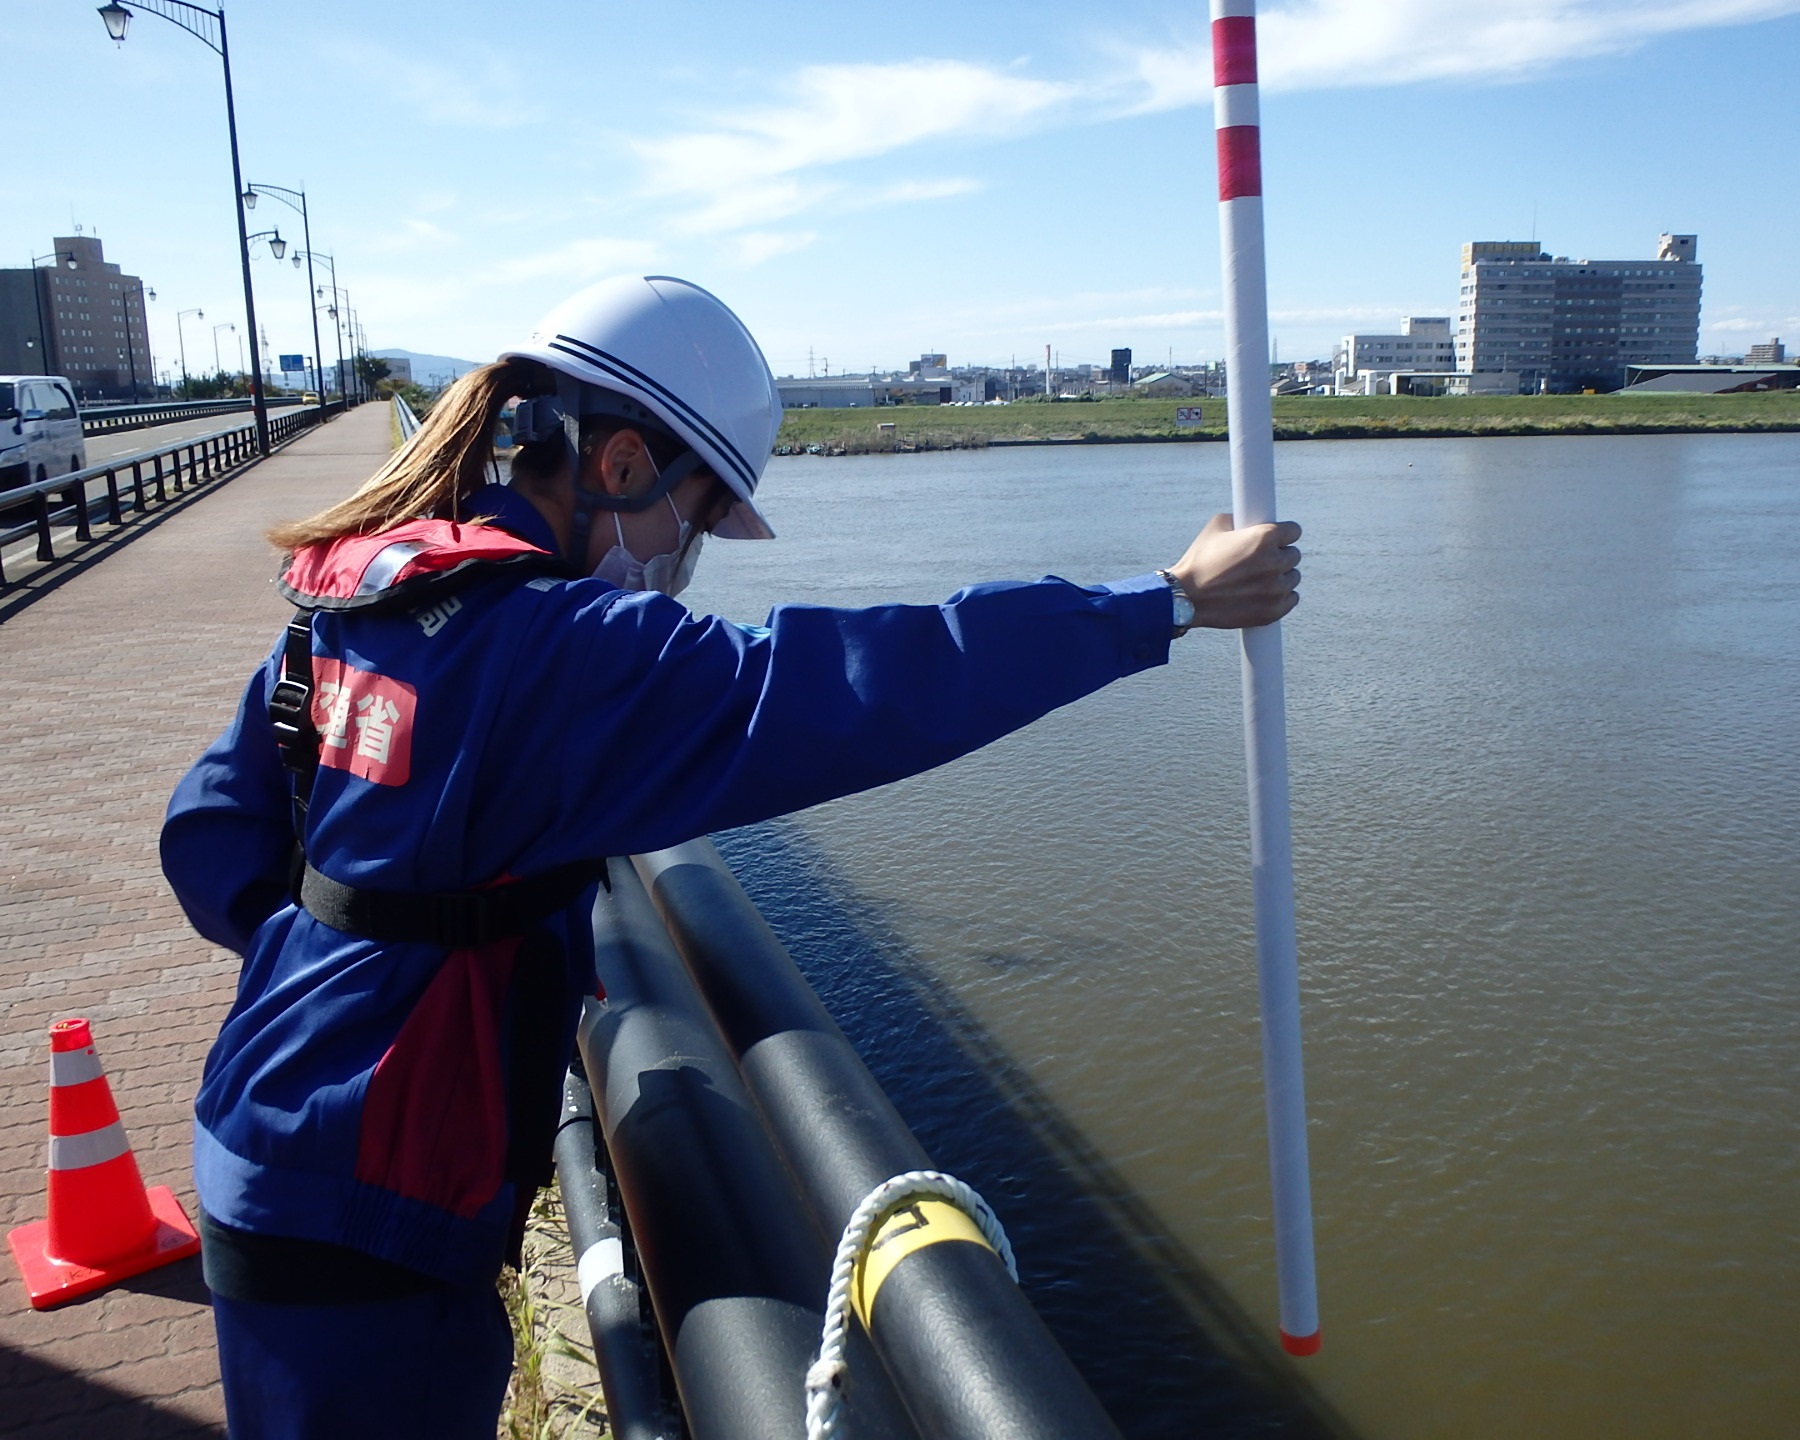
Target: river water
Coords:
[(1544, 708)]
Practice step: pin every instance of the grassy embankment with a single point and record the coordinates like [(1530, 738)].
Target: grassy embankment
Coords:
[(949, 427)]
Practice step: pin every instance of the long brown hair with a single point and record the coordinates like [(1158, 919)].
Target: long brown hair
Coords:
[(433, 474)]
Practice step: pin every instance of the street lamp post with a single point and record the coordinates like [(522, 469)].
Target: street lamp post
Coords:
[(359, 346), (187, 392), (38, 300), (144, 296), (218, 364), (195, 20), (340, 300), (330, 308), (287, 198)]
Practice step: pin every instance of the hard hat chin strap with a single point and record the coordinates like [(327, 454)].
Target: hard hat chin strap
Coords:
[(587, 501), (542, 417)]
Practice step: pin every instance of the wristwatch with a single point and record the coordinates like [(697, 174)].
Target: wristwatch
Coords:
[(1184, 607)]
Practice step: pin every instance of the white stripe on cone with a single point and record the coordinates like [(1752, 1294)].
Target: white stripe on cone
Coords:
[(95, 1147), (74, 1067)]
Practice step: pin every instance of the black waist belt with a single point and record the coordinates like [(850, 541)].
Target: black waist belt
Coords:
[(281, 1270), (457, 919)]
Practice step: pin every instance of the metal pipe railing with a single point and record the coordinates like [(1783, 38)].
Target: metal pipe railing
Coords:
[(202, 457), (106, 419), (968, 1353), (737, 1273), (612, 1294)]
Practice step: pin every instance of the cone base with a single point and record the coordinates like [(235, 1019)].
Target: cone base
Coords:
[(51, 1281), (1300, 1344)]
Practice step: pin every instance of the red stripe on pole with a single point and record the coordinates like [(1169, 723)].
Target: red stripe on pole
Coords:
[(1234, 50), (1240, 161)]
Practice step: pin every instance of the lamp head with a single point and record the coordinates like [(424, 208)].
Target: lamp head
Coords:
[(249, 198), (296, 262), (278, 247), (118, 20)]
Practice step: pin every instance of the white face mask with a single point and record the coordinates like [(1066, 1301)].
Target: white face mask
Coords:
[(668, 573)]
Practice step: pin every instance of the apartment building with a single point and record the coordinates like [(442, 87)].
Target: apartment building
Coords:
[(78, 316), (1566, 325)]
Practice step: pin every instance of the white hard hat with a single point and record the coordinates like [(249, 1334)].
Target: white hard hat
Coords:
[(679, 352)]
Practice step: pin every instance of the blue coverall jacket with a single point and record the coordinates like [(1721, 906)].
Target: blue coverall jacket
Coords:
[(356, 1094)]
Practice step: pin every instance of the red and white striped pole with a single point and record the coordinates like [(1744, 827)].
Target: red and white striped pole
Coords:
[(1252, 427)]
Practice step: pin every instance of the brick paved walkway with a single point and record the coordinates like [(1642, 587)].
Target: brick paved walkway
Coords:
[(112, 683)]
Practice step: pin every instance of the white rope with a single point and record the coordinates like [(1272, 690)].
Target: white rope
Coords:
[(826, 1377)]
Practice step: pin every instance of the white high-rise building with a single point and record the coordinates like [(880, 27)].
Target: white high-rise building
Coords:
[(1566, 324)]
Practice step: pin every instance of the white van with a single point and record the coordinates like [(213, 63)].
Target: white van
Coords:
[(40, 429)]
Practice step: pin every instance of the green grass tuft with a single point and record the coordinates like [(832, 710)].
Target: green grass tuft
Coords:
[(555, 1390), (1122, 419)]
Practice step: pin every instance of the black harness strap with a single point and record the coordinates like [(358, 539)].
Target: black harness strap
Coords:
[(456, 919), (290, 715)]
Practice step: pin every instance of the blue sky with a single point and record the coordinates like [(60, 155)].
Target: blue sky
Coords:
[(864, 184)]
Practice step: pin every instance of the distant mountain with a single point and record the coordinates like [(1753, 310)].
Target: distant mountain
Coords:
[(429, 370)]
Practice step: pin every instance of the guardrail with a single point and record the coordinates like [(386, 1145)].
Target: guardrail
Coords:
[(105, 419), (176, 468), (404, 417)]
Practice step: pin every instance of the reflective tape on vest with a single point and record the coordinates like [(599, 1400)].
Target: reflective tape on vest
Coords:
[(96, 1147), (380, 572)]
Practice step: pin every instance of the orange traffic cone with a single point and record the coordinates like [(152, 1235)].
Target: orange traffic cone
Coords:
[(103, 1226)]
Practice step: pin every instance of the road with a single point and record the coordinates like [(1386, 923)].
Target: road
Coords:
[(101, 448)]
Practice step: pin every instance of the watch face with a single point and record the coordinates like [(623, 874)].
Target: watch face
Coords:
[(1183, 607)]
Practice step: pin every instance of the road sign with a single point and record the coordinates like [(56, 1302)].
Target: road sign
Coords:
[(1187, 415), (290, 364)]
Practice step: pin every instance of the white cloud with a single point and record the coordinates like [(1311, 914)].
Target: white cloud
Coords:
[(407, 237), (755, 246), (1147, 320), (753, 167), (1187, 319), (1763, 326), (730, 207), (907, 192), (743, 168), (489, 94), (579, 260), (1327, 44)]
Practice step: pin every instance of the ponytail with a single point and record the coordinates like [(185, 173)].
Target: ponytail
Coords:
[(438, 469)]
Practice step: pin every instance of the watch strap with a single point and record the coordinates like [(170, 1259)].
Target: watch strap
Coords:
[(1183, 608)]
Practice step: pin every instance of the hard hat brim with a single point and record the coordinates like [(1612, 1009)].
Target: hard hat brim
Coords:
[(743, 521)]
